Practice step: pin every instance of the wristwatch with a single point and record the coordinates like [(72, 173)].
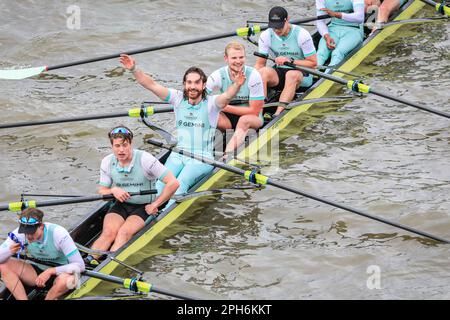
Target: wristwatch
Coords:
[(292, 60)]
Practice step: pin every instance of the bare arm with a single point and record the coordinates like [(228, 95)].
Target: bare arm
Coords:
[(254, 108), (309, 62), (224, 99), (144, 79), (260, 63), (117, 192), (171, 185)]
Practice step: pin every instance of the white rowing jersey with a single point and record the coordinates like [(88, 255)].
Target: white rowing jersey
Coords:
[(140, 175), (55, 238), (253, 88), (352, 14), (298, 44)]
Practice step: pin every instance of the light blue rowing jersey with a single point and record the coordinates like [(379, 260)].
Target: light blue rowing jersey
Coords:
[(132, 179), (344, 6), (46, 250), (196, 124), (298, 44)]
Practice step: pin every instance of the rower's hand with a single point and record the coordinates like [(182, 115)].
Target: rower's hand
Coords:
[(331, 13), (279, 61), (127, 61), (330, 42), (14, 248), (151, 209), (240, 78), (120, 194), (42, 279)]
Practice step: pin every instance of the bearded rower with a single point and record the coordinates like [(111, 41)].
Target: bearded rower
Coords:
[(196, 115), (345, 31), (245, 113)]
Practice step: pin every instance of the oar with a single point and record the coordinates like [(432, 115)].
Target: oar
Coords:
[(176, 197), (17, 74), (18, 206), (131, 284), (293, 105), (440, 7), (254, 177), (133, 113), (382, 25), (357, 86)]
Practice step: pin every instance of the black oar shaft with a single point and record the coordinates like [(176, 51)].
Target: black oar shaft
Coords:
[(62, 120), (172, 45), (274, 183), (121, 281), (440, 7), (75, 119), (356, 211), (365, 88), (16, 206), (409, 103)]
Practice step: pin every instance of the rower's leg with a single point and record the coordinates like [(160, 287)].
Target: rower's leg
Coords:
[(60, 286), (223, 123), (347, 39), (131, 226), (386, 9), (269, 77), (15, 274), (292, 82), (193, 171), (244, 124), (174, 164), (111, 225)]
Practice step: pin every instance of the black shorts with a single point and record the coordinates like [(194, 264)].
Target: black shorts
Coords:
[(281, 72), (234, 119), (129, 209), (49, 282)]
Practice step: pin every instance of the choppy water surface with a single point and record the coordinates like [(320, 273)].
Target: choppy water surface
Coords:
[(369, 153)]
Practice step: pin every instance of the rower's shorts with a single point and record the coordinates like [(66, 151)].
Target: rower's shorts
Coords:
[(281, 72), (125, 210), (234, 119), (49, 282)]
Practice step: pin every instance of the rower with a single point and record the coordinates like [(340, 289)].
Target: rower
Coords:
[(245, 113), (384, 10), (289, 43), (46, 242), (196, 115), (129, 170), (345, 31)]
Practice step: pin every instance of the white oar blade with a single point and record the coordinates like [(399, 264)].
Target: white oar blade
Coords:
[(18, 74)]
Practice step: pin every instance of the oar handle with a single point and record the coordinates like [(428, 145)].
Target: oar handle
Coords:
[(18, 206)]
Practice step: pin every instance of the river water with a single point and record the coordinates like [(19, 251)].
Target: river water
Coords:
[(369, 153)]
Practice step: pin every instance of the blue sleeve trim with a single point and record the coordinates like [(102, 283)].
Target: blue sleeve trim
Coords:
[(167, 98), (104, 184), (310, 54), (256, 98), (72, 253), (161, 178)]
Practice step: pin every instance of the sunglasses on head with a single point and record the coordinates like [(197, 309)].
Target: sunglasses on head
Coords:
[(30, 221), (120, 130)]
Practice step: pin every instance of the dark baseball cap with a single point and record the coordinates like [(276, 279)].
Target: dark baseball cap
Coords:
[(277, 17), (30, 219)]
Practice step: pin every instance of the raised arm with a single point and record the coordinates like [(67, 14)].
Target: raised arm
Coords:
[(224, 99), (144, 79)]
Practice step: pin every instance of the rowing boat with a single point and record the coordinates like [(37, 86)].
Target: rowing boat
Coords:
[(88, 229)]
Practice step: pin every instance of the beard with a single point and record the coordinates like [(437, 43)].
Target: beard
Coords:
[(192, 94)]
